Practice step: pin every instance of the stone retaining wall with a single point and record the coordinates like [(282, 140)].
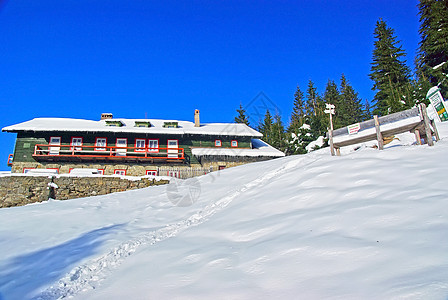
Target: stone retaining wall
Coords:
[(21, 190)]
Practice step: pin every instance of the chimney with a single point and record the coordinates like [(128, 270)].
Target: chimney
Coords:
[(196, 118), (106, 116)]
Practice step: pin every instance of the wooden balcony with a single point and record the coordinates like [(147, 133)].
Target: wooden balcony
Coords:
[(107, 154)]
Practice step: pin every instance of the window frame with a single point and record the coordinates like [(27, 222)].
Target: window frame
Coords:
[(140, 149), (156, 150), (100, 148), (234, 141), (148, 171), (76, 147), (218, 143), (120, 170)]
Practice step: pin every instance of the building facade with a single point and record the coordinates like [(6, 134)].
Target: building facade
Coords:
[(135, 147)]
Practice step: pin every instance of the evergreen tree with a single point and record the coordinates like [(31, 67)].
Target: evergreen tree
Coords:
[(389, 72), (278, 137), (367, 111), (332, 96), (298, 111), (265, 127), (432, 56), (311, 99), (350, 107), (241, 118)]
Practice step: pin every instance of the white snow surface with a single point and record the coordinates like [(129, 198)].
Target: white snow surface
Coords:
[(80, 125), (366, 225), (261, 148)]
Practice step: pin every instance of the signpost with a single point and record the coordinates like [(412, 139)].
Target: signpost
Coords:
[(436, 99), (330, 110)]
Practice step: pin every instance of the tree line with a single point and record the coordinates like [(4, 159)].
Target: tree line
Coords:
[(396, 86)]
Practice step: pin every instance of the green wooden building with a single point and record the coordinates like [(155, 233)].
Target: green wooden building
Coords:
[(134, 147)]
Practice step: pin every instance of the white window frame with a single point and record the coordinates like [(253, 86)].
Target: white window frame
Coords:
[(100, 144), (140, 145), (54, 150), (153, 145), (76, 142)]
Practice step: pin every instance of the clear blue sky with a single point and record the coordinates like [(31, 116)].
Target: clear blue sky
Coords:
[(78, 58)]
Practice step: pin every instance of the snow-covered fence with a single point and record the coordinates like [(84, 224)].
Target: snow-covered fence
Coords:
[(414, 120)]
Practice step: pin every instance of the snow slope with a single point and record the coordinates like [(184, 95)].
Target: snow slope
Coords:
[(367, 225)]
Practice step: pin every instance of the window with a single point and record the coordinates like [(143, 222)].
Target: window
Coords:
[(26, 170), (114, 123), (142, 124), (173, 149), (151, 172), (173, 174), (234, 143), (119, 172), (101, 171), (153, 145), (170, 124), (76, 141), (100, 144), (140, 145), (218, 143), (121, 149), (54, 140)]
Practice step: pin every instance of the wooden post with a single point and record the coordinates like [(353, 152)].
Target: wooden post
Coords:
[(427, 127), (379, 136), (417, 137), (338, 151), (436, 132), (330, 137)]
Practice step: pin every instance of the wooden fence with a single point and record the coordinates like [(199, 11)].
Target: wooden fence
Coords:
[(183, 173), (414, 120)]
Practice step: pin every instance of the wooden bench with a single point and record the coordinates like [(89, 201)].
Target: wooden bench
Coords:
[(413, 120)]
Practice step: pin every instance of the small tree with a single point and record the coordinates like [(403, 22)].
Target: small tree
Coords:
[(241, 118), (265, 127), (298, 111)]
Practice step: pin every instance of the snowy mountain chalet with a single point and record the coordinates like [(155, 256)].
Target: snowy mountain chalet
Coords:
[(134, 147)]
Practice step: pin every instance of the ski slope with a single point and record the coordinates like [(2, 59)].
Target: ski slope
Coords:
[(367, 225)]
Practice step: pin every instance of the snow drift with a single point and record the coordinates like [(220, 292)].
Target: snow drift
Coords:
[(367, 225)]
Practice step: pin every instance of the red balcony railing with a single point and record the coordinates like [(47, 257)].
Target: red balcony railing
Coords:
[(70, 152), (10, 158)]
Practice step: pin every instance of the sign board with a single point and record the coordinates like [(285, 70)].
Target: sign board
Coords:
[(354, 128), (436, 99)]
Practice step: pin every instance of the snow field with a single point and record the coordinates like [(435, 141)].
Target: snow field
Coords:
[(367, 225)]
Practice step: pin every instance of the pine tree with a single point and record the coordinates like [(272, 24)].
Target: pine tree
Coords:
[(265, 127), (278, 137), (241, 118), (350, 106), (332, 96), (389, 72), (298, 111), (311, 96), (432, 56)]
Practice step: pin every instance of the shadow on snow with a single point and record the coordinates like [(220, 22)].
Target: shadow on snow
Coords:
[(25, 275)]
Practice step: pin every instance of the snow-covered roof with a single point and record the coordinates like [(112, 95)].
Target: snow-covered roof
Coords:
[(260, 148), (184, 127)]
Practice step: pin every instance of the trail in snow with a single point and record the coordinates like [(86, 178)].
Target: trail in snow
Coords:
[(88, 275)]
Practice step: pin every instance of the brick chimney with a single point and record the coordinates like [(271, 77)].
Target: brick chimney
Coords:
[(106, 116), (197, 123)]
